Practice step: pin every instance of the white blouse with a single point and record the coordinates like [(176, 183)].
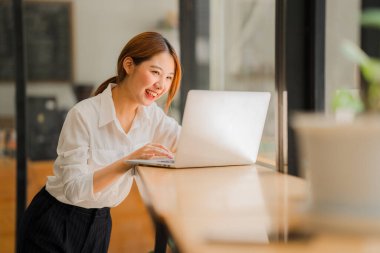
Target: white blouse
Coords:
[(91, 138)]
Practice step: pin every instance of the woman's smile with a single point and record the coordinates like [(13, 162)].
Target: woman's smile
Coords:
[(150, 94)]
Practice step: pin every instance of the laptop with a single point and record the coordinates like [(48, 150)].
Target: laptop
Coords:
[(219, 128)]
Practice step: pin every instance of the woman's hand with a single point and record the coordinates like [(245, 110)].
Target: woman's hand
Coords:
[(151, 151)]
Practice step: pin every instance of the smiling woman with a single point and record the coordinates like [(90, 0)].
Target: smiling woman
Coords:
[(151, 78), (122, 122), (141, 48)]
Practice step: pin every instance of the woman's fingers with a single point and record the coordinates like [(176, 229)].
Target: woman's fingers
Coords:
[(159, 151), (160, 146), (152, 151)]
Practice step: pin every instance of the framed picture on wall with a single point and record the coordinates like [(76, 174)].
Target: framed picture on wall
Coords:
[(47, 37)]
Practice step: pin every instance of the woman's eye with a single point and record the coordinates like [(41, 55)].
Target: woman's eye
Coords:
[(156, 72), (169, 78)]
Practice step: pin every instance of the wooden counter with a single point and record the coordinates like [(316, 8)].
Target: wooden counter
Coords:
[(237, 210)]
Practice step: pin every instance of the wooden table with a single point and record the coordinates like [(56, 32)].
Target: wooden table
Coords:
[(237, 210)]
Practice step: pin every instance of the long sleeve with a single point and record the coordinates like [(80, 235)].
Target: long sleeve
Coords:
[(91, 139), (71, 164)]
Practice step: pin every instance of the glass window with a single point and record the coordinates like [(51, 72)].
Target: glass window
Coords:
[(7, 131), (71, 47), (340, 72), (242, 55)]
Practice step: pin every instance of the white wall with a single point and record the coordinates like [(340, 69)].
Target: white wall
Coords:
[(100, 30), (114, 23)]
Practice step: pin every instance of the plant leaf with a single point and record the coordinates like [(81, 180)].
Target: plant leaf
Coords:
[(345, 99), (371, 70), (371, 18), (354, 53)]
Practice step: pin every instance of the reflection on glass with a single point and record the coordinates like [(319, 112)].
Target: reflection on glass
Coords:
[(7, 131), (340, 72), (242, 49), (78, 43)]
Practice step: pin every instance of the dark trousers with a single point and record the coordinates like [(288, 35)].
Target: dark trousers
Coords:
[(51, 226)]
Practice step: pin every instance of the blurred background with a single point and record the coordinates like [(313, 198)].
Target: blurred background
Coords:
[(72, 46)]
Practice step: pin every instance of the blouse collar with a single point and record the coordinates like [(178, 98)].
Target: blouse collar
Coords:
[(107, 109)]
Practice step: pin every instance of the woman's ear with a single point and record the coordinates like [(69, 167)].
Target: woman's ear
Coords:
[(128, 65)]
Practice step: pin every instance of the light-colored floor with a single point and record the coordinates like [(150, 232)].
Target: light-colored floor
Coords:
[(132, 228)]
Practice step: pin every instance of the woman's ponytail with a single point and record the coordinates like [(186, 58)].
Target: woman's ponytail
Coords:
[(140, 48), (104, 85)]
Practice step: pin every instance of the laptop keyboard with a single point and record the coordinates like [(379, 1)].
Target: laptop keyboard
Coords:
[(169, 161)]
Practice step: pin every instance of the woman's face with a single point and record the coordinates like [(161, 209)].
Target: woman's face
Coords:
[(151, 79)]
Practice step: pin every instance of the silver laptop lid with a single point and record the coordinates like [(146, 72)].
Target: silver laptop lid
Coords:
[(221, 128)]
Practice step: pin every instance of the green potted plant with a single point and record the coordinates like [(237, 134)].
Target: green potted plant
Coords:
[(339, 156), (369, 67)]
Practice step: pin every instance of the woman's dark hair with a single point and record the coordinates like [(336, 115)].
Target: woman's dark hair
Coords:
[(141, 48)]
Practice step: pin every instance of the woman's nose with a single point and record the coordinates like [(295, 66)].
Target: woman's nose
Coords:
[(159, 84)]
